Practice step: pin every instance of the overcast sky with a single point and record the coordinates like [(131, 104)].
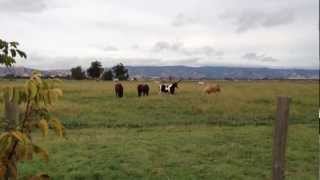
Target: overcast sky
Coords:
[(64, 33)]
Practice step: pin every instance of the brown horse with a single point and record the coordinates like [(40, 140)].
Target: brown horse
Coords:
[(212, 88), (118, 88), (143, 90)]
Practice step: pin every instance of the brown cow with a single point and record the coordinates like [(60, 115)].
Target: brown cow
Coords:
[(212, 88)]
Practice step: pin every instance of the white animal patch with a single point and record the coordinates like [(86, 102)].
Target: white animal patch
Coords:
[(201, 83), (168, 87)]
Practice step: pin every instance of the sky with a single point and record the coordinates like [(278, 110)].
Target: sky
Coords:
[(61, 34)]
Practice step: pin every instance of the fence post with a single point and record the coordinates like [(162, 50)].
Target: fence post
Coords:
[(11, 113), (11, 117), (280, 138)]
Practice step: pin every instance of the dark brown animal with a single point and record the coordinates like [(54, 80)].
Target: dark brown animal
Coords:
[(212, 88), (143, 90), (118, 88)]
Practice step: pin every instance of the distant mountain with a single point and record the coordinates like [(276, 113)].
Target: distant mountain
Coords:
[(25, 72), (211, 72), (205, 72)]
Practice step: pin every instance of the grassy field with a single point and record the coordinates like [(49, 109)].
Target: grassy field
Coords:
[(186, 136)]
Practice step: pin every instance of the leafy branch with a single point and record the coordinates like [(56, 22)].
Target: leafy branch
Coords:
[(34, 100), (9, 51)]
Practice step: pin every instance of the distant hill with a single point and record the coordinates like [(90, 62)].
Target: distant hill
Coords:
[(210, 72), (206, 72), (25, 72)]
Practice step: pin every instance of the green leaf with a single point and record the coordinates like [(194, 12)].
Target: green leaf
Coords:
[(37, 77), (58, 92), (22, 54), (43, 126), (5, 143), (31, 89), (13, 52), (20, 136), (14, 44), (41, 152), (57, 127)]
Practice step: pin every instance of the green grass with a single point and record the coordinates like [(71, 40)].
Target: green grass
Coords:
[(186, 136), (176, 152)]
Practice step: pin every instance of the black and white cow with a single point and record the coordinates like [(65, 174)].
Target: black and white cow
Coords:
[(169, 88)]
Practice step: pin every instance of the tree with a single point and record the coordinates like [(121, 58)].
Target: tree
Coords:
[(25, 108), (36, 97), (9, 51), (95, 69), (107, 75), (120, 72), (77, 73)]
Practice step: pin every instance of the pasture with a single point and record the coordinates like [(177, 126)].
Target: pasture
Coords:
[(189, 135)]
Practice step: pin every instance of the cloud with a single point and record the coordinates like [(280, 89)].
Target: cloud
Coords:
[(72, 33), (110, 48), (251, 19), (46, 62), (261, 58), (161, 45), (285, 16), (205, 50), (182, 20), (178, 47), (22, 6), (192, 60), (135, 47)]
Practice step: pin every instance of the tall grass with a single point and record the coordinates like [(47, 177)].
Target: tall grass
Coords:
[(93, 104)]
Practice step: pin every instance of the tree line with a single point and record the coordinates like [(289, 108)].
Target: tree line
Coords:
[(96, 71)]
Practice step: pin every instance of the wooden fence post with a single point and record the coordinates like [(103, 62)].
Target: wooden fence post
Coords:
[(280, 138), (11, 117), (11, 113)]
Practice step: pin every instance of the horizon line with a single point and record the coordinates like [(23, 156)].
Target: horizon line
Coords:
[(188, 66)]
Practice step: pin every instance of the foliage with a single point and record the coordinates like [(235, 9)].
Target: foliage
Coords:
[(120, 72), (95, 69), (77, 73), (9, 51), (107, 75), (35, 99)]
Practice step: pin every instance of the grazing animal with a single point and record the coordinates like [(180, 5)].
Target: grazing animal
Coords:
[(201, 83), (169, 88), (212, 88), (143, 90), (118, 88)]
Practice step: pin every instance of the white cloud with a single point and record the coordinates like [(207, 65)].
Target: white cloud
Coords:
[(251, 18), (16, 6), (180, 48), (163, 32), (262, 57), (183, 20), (110, 48)]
